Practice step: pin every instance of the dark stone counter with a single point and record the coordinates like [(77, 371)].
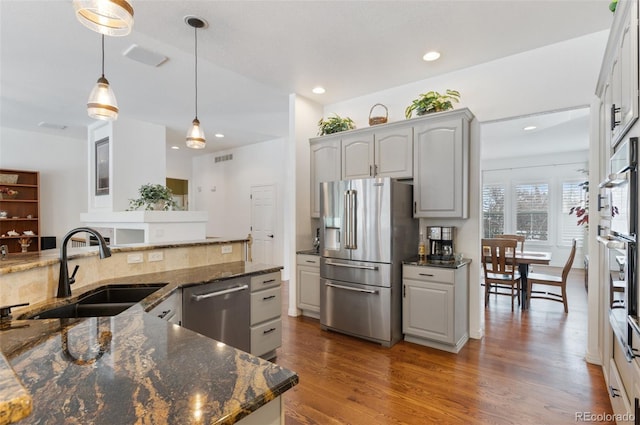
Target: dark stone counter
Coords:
[(134, 367)]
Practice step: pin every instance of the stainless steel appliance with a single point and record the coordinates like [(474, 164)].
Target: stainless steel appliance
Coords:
[(220, 310), (622, 239), (440, 244), (367, 229)]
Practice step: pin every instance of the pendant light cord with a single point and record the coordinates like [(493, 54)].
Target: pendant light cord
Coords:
[(195, 30), (102, 55)]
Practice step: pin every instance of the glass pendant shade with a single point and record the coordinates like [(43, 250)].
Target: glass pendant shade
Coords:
[(102, 104), (108, 17), (195, 136)]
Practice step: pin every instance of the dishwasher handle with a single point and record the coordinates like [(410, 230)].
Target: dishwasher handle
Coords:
[(219, 293)]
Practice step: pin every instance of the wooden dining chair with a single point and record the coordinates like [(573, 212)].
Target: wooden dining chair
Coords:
[(519, 238), (500, 275), (535, 279)]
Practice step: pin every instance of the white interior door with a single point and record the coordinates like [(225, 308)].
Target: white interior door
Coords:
[(263, 223)]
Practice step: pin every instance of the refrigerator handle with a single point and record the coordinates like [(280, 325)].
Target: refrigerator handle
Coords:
[(347, 219), (354, 219)]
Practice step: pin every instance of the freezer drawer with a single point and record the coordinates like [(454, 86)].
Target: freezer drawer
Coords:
[(362, 272), (359, 310)]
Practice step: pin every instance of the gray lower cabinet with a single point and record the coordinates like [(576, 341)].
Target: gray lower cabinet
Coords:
[(435, 306), (308, 285), (266, 310)]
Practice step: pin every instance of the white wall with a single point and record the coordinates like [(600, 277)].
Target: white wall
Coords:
[(62, 163), (223, 188)]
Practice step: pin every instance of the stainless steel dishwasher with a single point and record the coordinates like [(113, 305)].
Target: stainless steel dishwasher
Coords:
[(220, 310)]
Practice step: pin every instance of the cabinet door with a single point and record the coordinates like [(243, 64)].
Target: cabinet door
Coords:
[(309, 288), (428, 310), (394, 153), (325, 167), (441, 168), (357, 156), (629, 71)]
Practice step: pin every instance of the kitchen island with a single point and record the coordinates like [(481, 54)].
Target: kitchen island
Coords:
[(134, 367)]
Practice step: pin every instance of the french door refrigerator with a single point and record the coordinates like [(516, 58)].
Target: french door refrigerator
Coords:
[(367, 230)]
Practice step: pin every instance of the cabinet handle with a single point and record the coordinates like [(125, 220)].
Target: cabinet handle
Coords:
[(264, 282), (426, 274), (614, 111), (601, 204), (614, 392), (311, 261), (370, 171), (268, 298), (404, 291), (268, 331), (415, 206)]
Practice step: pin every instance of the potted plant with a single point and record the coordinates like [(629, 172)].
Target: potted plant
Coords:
[(153, 197), (334, 124), (432, 102)]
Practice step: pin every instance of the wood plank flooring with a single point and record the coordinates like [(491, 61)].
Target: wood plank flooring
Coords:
[(528, 369)]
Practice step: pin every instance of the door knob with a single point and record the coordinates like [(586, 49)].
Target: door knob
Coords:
[(271, 236)]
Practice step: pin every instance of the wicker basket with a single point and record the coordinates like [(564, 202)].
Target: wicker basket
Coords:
[(8, 178), (378, 120)]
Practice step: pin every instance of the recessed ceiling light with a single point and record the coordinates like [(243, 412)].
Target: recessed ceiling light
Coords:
[(175, 147), (431, 56), (318, 90), (219, 135), (530, 127)]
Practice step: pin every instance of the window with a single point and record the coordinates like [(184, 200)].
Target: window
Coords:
[(493, 210), (532, 211), (573, 195)]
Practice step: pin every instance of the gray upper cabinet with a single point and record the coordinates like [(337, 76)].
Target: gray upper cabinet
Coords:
[(325, 167), (379, 152), (621, 85), (357, 156), (441, 166)]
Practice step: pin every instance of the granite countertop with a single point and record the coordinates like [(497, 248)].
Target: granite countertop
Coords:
[(455, 265), (133, 367)]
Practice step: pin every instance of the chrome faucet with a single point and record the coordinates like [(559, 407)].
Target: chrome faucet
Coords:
[(65, 281)]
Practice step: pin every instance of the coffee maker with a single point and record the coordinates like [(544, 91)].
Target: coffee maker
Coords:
[(440, 244)]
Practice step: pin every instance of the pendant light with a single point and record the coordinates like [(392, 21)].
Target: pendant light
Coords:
[(195, 135), (108, 17), (102, 104)]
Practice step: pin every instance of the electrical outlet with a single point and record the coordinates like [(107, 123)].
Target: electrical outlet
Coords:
[(134, 258), (156, 256), (227, 249)]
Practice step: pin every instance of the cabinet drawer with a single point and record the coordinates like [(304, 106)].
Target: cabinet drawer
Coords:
[(308, 260), (265, 305), (617, 395), (264, 281), (266, 337), (433, 274)]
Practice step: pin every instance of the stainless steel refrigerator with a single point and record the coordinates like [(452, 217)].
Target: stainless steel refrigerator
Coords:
[(367, 230)]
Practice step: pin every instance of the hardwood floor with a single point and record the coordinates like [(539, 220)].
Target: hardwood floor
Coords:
[(528, 369)]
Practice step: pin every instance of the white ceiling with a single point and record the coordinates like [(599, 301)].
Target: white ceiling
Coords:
[(255, 53)]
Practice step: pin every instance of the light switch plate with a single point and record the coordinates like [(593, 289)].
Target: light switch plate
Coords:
[(134, 258), (227, 249)]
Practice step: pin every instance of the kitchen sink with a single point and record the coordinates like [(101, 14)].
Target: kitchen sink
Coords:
[(107, 301)]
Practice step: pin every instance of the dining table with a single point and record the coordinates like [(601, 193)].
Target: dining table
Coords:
[(524, 259)]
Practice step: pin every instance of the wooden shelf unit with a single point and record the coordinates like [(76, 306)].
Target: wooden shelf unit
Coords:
[(23, 210)]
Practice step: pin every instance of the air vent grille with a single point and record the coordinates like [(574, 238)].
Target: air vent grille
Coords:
[(222, 158)]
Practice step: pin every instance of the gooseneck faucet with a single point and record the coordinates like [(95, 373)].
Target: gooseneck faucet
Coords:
[(65, 281)]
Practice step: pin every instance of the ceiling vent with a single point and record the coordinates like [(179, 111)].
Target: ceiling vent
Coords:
[(222, 158), (145, 56)]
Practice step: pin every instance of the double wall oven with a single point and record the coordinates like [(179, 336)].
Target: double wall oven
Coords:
[(621, 237)]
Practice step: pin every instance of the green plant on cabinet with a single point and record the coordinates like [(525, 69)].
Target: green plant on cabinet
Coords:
[(432, 102), (334, 124)]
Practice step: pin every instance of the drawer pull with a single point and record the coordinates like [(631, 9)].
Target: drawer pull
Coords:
[(268, 281), (268, 331), (426, 274), (311, 261), (614, 392), (270, 297)]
